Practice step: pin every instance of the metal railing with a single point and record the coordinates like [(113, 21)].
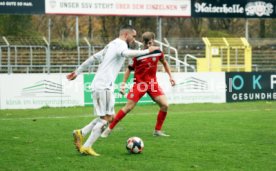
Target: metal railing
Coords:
[(15, 48), (30, 57), (185, 64), (39, 68), (161, 44), (171, 54), (185, 60)]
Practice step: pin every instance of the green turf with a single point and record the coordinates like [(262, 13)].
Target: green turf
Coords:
[(235, 136)]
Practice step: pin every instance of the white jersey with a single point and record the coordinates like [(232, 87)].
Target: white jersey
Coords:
[(111, 63), (111, 58)]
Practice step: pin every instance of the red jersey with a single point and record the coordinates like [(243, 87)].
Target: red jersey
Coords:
[(145, 66)]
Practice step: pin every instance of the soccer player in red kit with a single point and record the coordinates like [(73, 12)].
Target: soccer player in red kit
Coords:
[(145, 68)]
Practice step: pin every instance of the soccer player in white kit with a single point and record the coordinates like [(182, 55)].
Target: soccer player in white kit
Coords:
[(111, 58)]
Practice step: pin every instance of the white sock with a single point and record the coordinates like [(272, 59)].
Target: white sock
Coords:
[(96, 132), (85, 130)]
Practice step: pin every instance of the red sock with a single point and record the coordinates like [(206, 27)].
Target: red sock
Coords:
[(119, 116), (160, 119)]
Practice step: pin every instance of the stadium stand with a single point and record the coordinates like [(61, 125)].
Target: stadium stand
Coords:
[(263, 54)]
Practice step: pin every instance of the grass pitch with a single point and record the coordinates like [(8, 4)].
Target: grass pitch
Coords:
[(234, 136)]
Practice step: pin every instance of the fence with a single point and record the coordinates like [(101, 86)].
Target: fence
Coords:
[(29, 55)]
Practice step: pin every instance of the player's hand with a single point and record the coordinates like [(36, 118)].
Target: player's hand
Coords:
[(71, 76), (153, 48), (172, 81), (123, 89)]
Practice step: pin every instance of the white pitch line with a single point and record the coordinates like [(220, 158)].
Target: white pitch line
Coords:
[(50, 117), (92, 116)]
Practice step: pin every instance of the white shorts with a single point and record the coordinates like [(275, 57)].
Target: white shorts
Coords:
[(104, 102)]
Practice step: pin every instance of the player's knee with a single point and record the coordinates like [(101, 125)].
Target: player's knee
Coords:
[(164, 107)]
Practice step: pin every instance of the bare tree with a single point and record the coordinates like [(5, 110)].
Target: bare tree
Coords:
[(262, 28), (197, 25), (90, 27)]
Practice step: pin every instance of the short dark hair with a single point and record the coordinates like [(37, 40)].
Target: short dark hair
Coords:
[(130, 27), (126, 27)]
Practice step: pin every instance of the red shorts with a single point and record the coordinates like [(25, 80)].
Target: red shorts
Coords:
[(139, 89)]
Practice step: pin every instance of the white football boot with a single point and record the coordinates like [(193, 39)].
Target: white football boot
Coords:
[(160, 133)]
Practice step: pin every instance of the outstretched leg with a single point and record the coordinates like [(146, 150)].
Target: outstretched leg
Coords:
[(119, 116)]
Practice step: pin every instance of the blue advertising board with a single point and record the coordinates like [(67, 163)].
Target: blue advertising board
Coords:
[(242, 86), (22, 7)]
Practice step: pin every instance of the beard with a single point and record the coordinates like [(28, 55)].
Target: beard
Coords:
[(133, 45)]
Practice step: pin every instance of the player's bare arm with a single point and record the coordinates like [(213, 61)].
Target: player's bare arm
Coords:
[(132, 53), (168, 71), (73, 75), (123, 85)]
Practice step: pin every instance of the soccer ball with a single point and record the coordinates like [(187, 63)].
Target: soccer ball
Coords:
[(134, 145)]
